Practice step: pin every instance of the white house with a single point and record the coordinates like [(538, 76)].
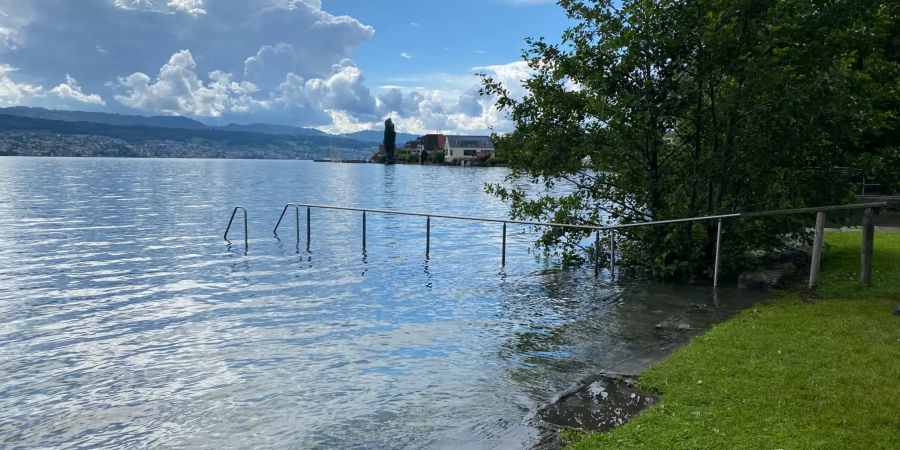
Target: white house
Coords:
[(464, 148)]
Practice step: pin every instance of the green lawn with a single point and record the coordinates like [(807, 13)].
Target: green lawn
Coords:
[(787, 375)]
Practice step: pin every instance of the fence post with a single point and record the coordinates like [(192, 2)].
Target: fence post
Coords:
[(308, 226), (427, 236), (612, 253), (297, 211), (718, 248), (868, 241), (503, 254), (817, 250), (364, 232)]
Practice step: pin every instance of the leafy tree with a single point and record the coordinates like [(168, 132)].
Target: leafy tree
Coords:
[(390, 141), (661, 109)]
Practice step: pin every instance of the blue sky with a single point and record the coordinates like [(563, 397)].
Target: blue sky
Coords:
[(339, 65)]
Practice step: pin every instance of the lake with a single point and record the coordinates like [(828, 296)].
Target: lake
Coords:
[(128, 321)]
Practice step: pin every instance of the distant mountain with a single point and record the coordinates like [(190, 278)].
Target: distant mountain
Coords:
[(105, 118), (377, 137), (177, 122), (21, 135), (274, 129)]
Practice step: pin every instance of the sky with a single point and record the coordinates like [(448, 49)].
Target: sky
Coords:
[(337, 65)]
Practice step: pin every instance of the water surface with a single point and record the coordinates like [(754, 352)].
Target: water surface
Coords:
[(127, 320)]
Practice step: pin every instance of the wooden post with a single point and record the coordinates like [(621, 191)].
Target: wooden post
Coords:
[(817, 250), (868, 241)]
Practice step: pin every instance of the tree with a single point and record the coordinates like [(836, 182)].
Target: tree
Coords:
[(697, 107), (390, 141)]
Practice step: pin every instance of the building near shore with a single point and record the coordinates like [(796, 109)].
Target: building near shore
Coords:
[(467, 148), (434, 142)]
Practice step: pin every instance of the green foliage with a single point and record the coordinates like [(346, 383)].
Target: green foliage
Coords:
[(390, 141), (661, 109), (789, 374), (436, 157)]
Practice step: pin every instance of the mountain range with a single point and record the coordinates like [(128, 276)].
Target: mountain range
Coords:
[(177, 122)]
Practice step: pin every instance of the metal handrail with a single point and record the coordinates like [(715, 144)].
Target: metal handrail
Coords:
[(820, 211), (784, 212), (516, 222), (246, 233), (297, 209)]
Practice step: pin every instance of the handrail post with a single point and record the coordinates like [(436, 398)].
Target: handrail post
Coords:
[(297, 211), (503, 248), (866, 250), (230, 221), (817, 250), (297, 217), (364, 232), (597, 253), (612, 254), (308, 227), (427, 236), (718, 253), (280, 218), (246, 228)]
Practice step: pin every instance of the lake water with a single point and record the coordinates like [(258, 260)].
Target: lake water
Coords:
[(126, 320)]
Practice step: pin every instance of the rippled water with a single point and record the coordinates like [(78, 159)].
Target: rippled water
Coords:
[(127, 320)]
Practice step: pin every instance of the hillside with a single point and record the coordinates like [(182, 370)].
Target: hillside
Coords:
[(21, 135), (377, 137), (104, 118), (370, 136), (274, 129)]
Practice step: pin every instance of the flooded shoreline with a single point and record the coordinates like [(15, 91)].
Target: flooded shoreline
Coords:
[(129, 322)]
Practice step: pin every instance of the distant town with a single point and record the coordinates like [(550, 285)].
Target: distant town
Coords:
[(42, 132), (444, 149)]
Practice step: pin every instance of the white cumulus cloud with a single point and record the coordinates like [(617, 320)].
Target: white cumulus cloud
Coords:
[(178, 90), (71, 91), (279, 61), (16, 93)]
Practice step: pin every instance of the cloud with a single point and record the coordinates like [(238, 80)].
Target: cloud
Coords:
[(453, 106), (178, 90), (15, 93), (188, 6), (65, 95), (71, 91), (54, 37), (279, 61)]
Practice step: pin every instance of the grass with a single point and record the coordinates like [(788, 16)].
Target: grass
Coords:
[(786, 375)]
